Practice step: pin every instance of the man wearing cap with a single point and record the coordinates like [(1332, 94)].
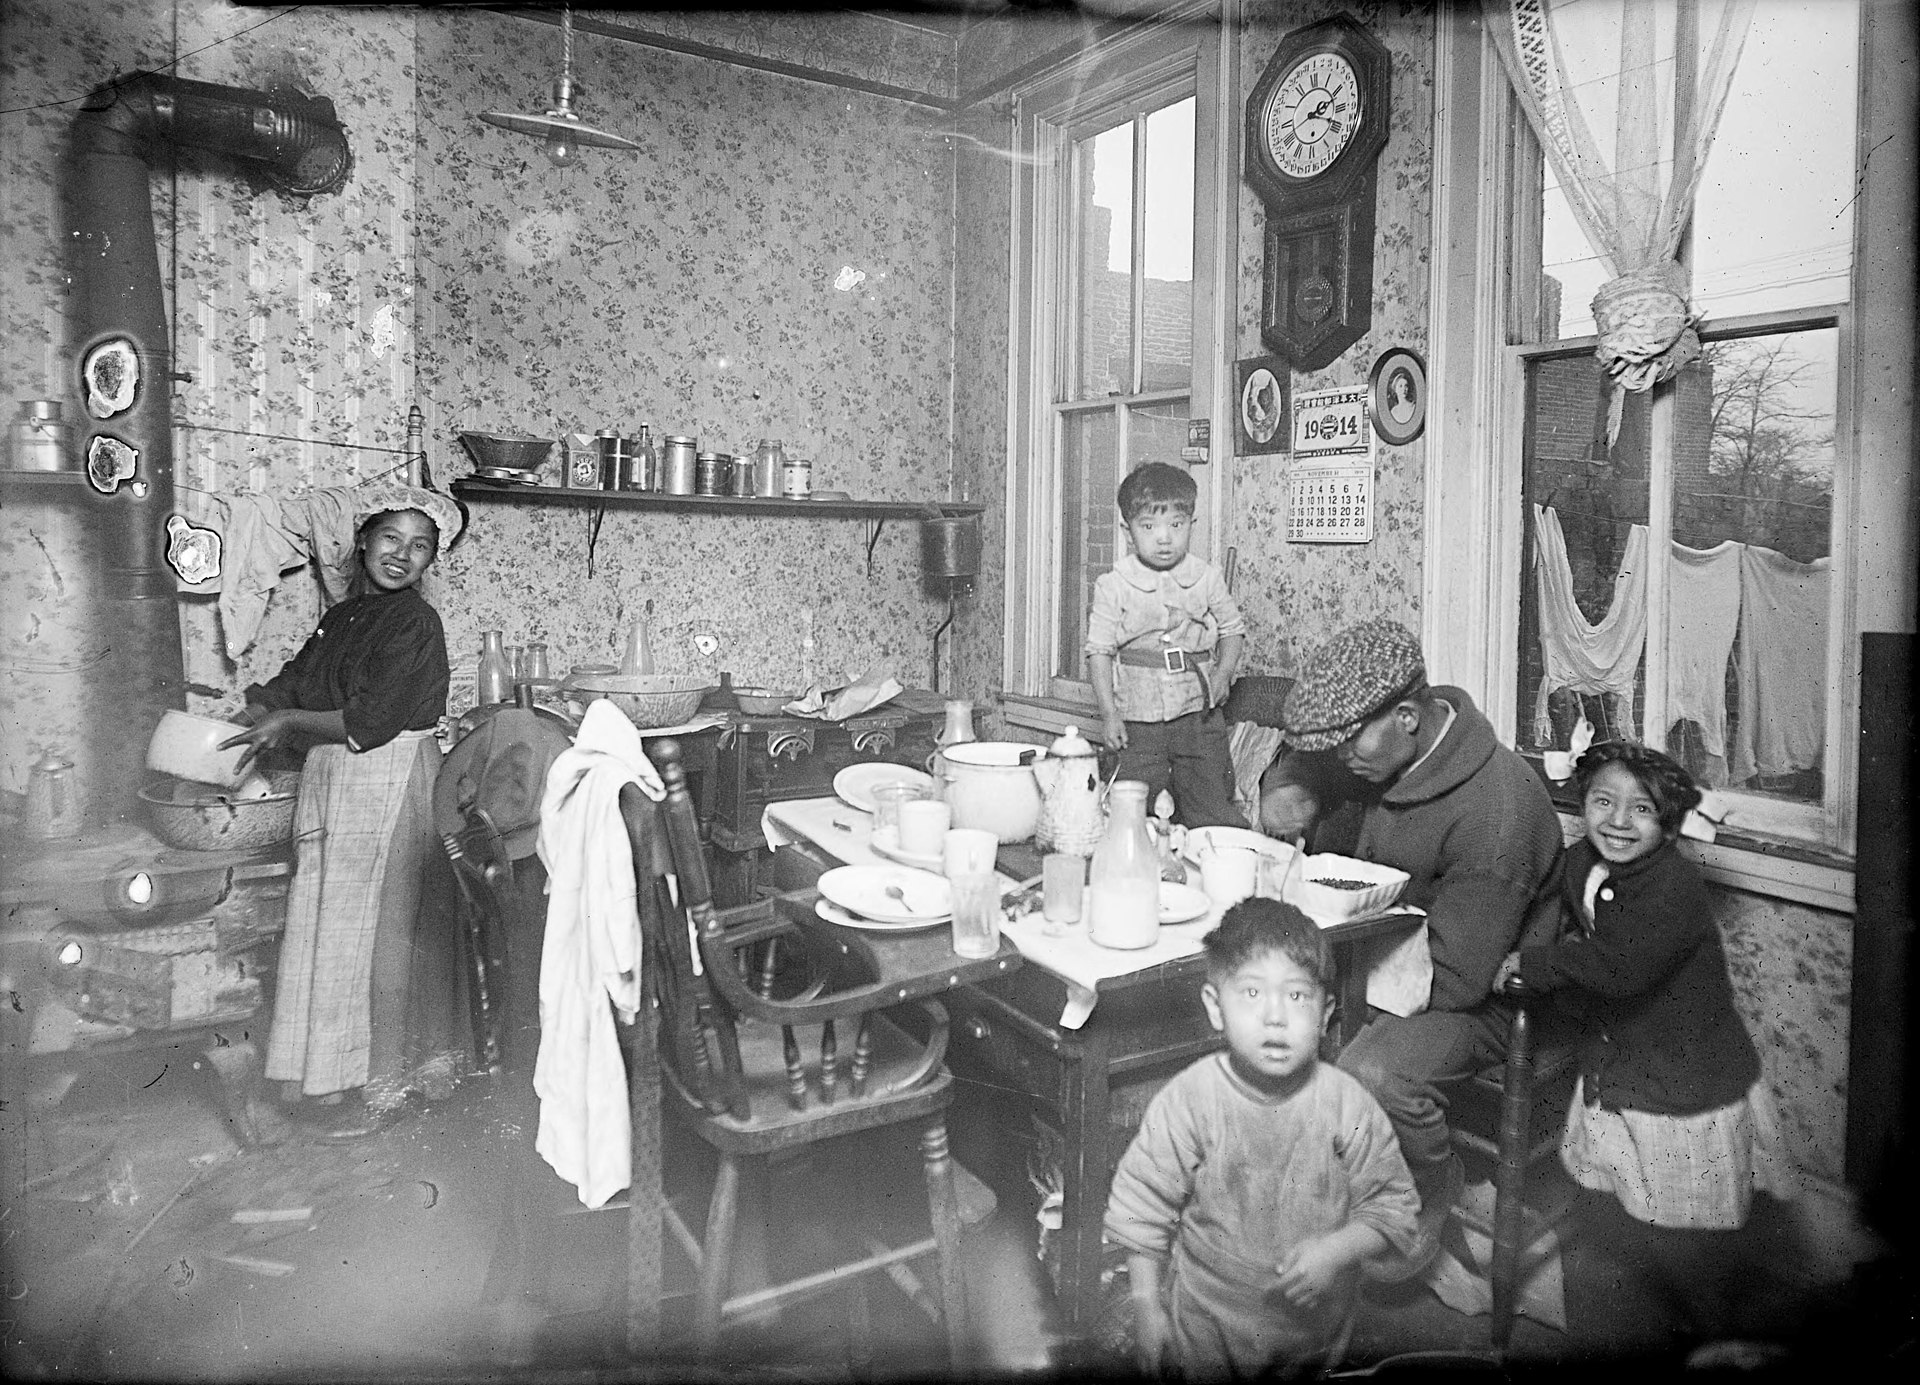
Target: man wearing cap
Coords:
[(1471, 825)]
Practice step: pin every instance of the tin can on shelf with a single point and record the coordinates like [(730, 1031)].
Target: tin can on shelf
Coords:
[(768, 458), (678, 465), (707, 474), (580, 462), (797, 478), (608, 443), (742, 468), (39, 437)]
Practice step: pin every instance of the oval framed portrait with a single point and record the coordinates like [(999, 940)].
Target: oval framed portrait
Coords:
[(1397, 396)]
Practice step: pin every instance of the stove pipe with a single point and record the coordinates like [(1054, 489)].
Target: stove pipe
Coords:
[(132, 621)]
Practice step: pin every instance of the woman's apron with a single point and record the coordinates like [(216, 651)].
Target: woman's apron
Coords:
[(363, 833)]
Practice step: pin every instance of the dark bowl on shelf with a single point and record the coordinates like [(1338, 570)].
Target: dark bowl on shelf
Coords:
[(507, 452)]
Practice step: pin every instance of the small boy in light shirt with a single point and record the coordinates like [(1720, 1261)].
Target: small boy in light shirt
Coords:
[(1163, 644)]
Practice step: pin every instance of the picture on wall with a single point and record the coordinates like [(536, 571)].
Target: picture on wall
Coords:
[(1264, 395), (1397, 396)]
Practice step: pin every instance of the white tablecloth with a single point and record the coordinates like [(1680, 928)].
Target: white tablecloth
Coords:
[(845, 833)]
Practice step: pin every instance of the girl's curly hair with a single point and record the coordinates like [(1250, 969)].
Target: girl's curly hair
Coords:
[(1671, 788)]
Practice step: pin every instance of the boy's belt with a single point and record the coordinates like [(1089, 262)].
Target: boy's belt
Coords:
[(1168, 658)]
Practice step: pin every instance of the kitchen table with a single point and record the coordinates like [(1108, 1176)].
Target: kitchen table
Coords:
[(1090, 1045)]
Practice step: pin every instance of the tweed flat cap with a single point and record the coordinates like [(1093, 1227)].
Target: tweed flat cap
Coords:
[(1352, 676)]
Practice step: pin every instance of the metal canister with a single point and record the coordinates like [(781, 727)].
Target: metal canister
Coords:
[(797, 478), (742, 476), (707, 473), (39, 437), (768, 458), (679, 463), (610, 445)]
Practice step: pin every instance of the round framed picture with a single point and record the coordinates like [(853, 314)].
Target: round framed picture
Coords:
[(1397, 396)]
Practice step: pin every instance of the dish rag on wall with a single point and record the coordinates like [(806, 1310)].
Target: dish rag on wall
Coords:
[(591, 954), (265, 537), (1585, 657)]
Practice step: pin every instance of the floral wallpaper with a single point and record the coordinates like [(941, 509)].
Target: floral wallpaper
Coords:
[(775, 261)]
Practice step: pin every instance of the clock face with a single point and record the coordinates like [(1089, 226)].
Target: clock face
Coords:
[(1313, 115)]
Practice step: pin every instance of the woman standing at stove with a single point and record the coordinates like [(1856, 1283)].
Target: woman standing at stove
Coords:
[(363, 696)]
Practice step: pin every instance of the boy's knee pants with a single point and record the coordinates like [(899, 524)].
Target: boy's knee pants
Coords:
[(1188, 756)]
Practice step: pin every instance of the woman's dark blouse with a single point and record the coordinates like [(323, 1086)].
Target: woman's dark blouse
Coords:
[(380, 659)]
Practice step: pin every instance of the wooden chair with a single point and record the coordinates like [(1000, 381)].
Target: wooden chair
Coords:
[(755, 1075), (1523, 1101)]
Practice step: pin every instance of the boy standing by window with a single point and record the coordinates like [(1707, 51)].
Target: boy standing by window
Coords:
[(1163, 644), (1261, 1178)]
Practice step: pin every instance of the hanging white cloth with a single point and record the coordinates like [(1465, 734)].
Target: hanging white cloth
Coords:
[(1658, 74), (590, 955), (1585, 657), (1703, 606), (1782, 673)]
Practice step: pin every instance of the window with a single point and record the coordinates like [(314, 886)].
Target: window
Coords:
[(1113, 324), (1724, 518)]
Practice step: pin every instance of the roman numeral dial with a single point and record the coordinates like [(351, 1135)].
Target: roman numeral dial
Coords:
[(1312, 115)]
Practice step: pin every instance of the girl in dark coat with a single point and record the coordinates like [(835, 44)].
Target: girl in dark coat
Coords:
[(1663, 1118)]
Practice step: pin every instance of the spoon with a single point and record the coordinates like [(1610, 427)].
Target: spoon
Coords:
[(894, 892)]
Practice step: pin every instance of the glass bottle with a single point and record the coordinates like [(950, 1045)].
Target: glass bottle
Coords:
[(495, 675), (648, 465), (959, 728), (1124, 898), (538, 670)]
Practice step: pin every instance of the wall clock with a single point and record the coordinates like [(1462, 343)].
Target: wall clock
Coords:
[(1316, 123)]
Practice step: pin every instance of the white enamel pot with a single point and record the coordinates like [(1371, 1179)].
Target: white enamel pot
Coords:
[(990, 785)]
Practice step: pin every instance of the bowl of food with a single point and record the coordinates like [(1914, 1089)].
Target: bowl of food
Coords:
[(648, 699), (1334, 888), (507, 452), (198, 817)]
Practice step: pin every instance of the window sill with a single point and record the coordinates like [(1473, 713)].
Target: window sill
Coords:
[(1051, 715), (1774, 867)]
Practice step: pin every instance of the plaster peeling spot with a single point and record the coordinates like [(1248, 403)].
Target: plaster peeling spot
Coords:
[(381, 336), (849, 278), (540, 237), (323, 298), (139, 489)]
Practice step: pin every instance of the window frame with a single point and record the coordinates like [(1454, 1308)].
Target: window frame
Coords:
[(1472, 560), (1183, 52)]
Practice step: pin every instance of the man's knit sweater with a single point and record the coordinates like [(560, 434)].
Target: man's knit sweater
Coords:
[(1474, 828)]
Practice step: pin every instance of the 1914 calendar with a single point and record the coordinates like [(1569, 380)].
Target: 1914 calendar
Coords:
[(1330, 485)]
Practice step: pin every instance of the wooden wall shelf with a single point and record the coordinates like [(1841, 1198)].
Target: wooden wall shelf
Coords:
[(470, 489)]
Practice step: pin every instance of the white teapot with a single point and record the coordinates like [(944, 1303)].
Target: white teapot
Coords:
[(1071, 816)]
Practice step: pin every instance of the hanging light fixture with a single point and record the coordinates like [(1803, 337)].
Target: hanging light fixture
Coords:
[(563, 131)]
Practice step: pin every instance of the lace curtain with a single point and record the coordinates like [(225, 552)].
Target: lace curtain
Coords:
[(1657, 71)]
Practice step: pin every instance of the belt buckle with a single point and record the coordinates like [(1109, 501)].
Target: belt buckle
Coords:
[(1175, 660)]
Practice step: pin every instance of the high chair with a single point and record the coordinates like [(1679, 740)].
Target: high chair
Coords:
[(754, 1076)]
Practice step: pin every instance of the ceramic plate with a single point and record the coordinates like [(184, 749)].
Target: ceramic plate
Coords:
[(885, 845), (507, 473), (1182, 903), (833, 913), (863, 890), (855, 784)]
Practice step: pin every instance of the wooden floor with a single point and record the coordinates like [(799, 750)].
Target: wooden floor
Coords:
[(114, 1272)]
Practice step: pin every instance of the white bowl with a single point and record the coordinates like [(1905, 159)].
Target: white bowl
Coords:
[(1331, 904), (1201, 839), (186, 746)]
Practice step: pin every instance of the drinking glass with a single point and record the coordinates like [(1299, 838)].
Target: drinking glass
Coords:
[(1063, 881), (976, 914), (887, 799)]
